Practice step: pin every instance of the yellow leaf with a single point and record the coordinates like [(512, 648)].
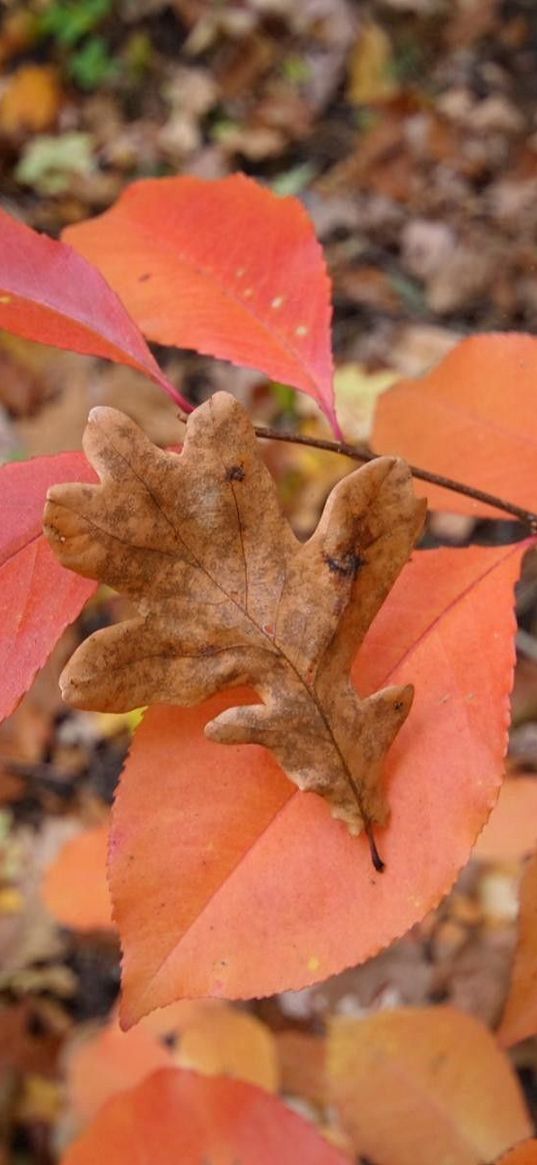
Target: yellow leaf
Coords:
[(31, 100), (371, 67), (356, 392)]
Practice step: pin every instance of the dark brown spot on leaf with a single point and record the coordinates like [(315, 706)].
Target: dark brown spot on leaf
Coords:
[(235, 473), (347, 566)]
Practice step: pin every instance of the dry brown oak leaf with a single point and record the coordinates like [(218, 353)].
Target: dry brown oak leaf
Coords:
[(227, 595)]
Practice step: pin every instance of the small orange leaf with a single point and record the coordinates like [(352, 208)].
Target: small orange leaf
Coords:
[(107, 1063), (176, 1117), (31, 100), (223, 1041), (414, 1086), (520, 1016), (472, 418), (74, 888), (511, 831)]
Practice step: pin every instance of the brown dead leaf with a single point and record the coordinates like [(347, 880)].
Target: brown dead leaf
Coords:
[(227, 595)]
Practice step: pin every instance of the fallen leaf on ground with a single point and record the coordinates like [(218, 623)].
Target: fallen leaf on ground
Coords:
[(225, 267), (99, 1066), (50, 164), (238, 885), (511, 831), (74, 887), (24, 1045), (177, 1115), (371, 66), (472, 418), (31, 100), (38, 598), (453, 1095), (227, 595), (223, 1041), (302, 1059), (520, 1016)]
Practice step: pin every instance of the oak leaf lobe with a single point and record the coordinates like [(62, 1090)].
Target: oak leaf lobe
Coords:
[(227, 595)]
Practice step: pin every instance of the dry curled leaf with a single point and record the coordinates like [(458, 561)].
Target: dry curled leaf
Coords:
[(227, 595)]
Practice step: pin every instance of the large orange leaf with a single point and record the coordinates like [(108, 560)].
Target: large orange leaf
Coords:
[(524, 1154), (50, 294), (236, 884), (520, 1016), (473, 418), (224, 267), (414, 1086), (74, 887), (38, 597), (176, 1116)]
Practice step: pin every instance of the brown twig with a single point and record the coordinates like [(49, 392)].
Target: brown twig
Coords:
[(364, 454)]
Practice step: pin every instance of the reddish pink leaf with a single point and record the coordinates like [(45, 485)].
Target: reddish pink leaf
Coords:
[(178, 1118), (472, 418), (237, 884), (224, 267), (50, 294), (38, 598)]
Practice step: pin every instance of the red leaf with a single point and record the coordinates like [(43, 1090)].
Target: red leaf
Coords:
[(224, 267), (520, 1016), (237, 884), (473, 418), (454, 1095), (176, 1116), (38, 598), (50, 294)]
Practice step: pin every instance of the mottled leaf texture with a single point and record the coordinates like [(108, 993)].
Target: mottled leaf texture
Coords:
[(523, 1154), (225, 267), (415, 1086), (176, 1117), (235, 884), (51, 294), (472, 418), (38, 598), (227, 595), (519, 1020)]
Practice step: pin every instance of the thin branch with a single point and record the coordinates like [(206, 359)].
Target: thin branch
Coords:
[(357, 453), (364, 454)]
